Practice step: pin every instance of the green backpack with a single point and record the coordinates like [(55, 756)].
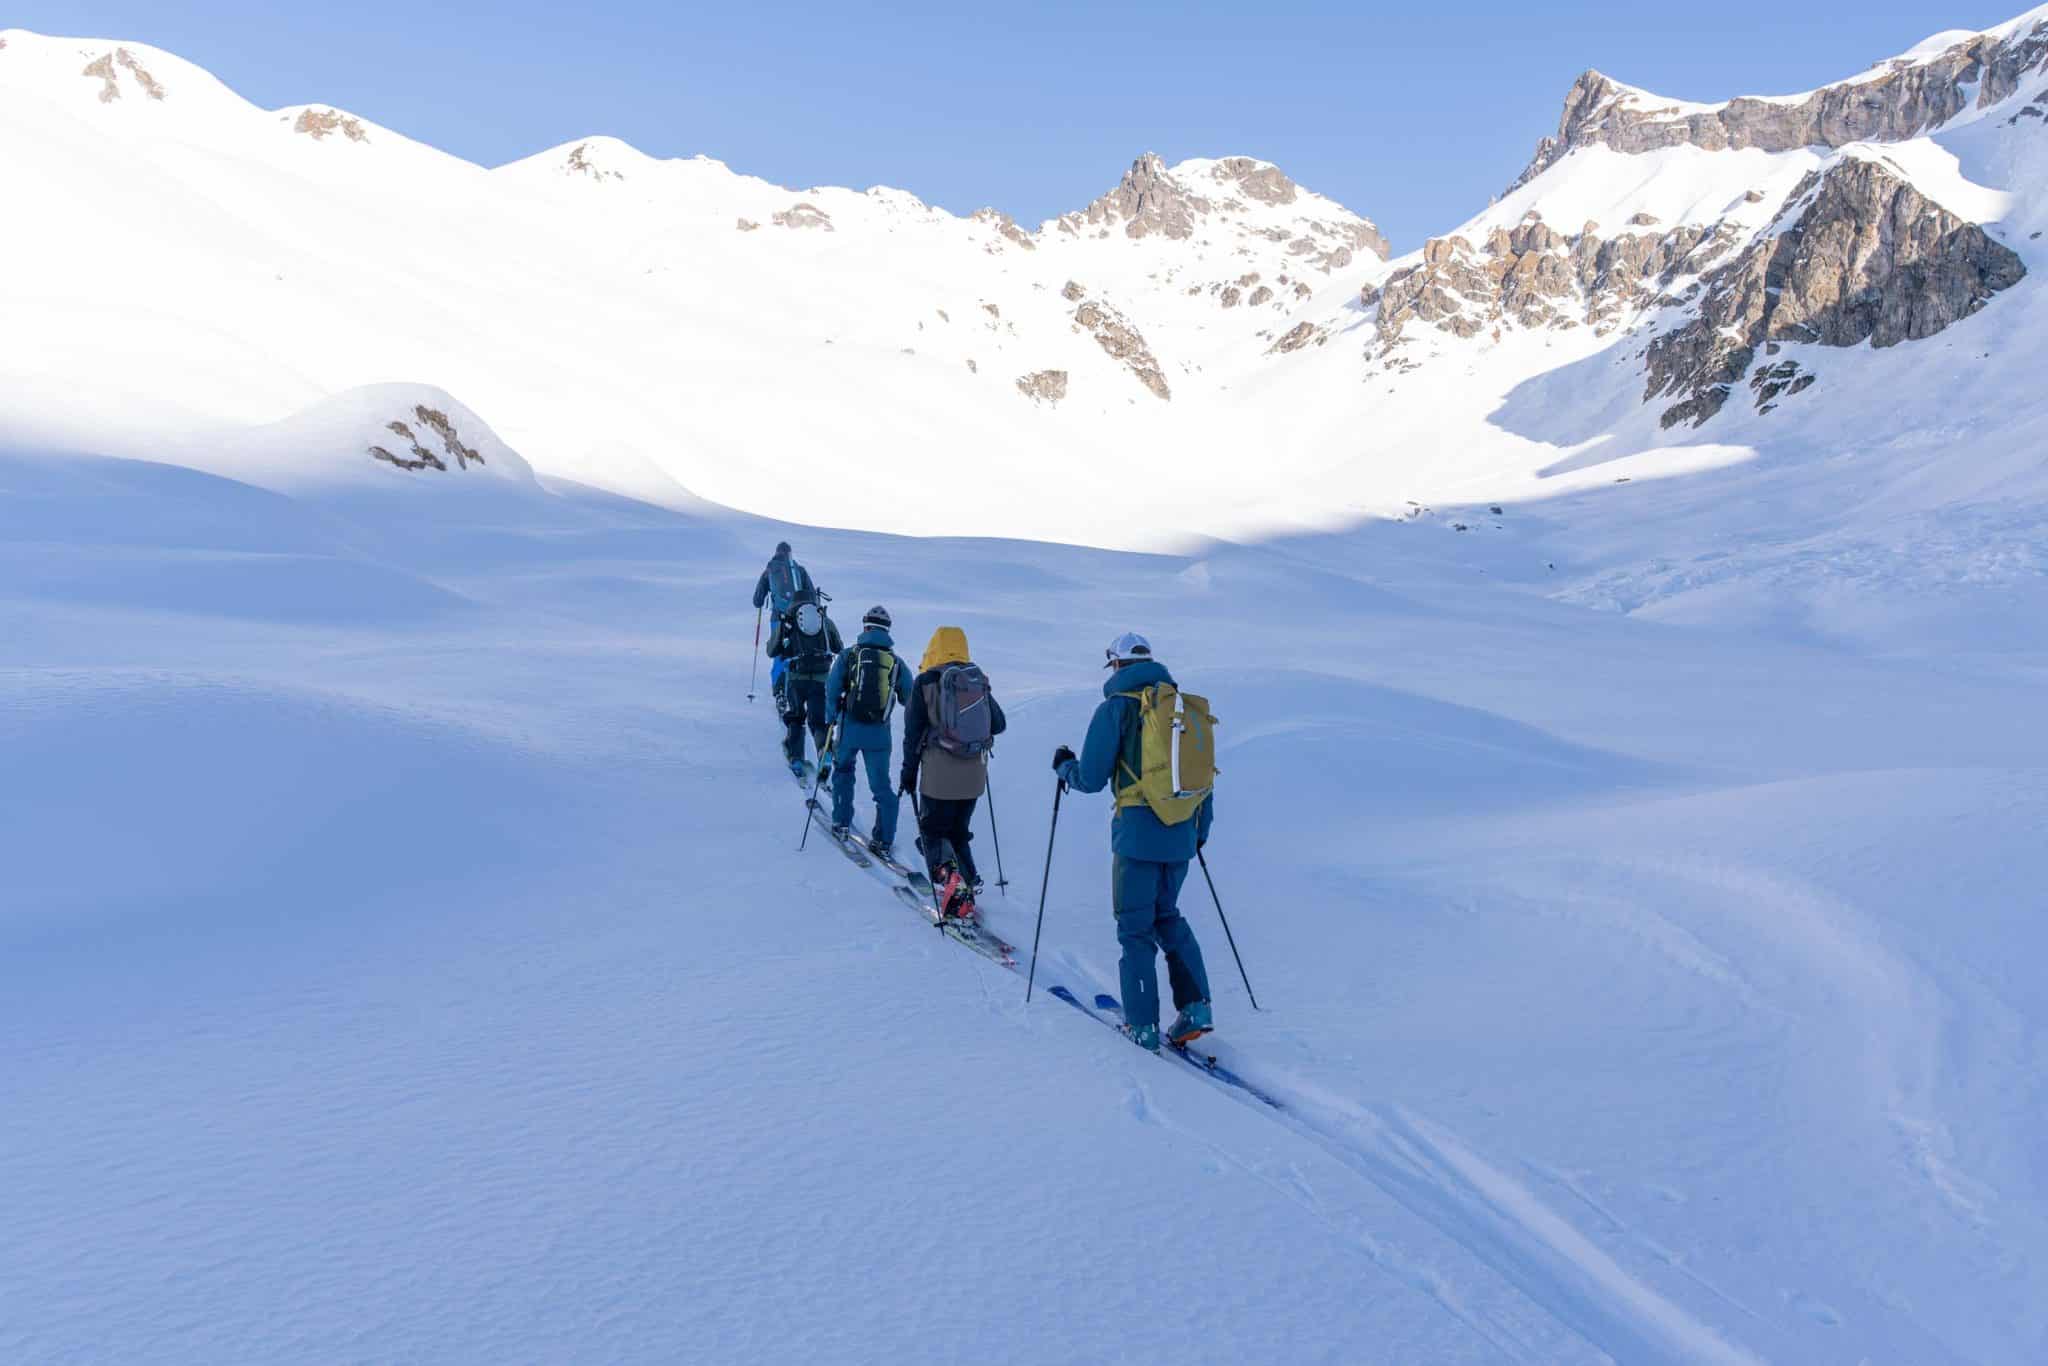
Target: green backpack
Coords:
[(1171, 764)]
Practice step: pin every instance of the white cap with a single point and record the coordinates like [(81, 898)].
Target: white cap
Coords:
[(1127, 647)]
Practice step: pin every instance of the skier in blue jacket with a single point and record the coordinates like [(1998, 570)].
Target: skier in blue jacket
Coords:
[(867, 736), (1150, 858)]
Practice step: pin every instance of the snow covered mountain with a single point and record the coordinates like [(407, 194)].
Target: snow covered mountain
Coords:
[(1668, 287)]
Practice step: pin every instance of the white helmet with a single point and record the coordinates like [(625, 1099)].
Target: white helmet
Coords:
[(876, 616), (1127, 648)]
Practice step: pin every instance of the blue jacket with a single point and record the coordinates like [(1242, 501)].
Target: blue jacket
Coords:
[(871, 734), (1134, 832)]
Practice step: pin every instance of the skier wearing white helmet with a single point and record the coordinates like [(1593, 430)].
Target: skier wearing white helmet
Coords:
[(1151, 853)]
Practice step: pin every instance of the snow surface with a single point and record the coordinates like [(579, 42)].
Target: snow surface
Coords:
[(407, 956)]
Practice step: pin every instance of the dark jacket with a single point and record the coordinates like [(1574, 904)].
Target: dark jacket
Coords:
[(1134, 831), (945, 776), (782, 641)]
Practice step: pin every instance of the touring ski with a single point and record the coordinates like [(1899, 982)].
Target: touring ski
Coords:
[(1109, 1013)]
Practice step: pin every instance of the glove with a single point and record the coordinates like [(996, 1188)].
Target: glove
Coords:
[(1200, 845), (1061, 757), (906, 785)]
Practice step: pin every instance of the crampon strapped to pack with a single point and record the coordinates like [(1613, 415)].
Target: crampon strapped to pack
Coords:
[(1171, 764)]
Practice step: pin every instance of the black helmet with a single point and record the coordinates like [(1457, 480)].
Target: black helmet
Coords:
[(877, 615), (782, 547)]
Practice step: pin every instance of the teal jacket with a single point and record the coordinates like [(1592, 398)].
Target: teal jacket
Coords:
[(872, 734), (1134, 831)]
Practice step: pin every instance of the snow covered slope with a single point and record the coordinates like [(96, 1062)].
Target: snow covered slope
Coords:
[(669, 327), (404, 955)]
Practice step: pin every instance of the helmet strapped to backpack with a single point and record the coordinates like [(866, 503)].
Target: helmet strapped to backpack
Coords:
[(809, 644)]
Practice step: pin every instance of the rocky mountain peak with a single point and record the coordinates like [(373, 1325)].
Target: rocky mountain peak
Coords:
[(1147, 201), (1894, 100)]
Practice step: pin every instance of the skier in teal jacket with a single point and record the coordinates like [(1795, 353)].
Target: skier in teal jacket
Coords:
[(1150, 858), (872, 739)]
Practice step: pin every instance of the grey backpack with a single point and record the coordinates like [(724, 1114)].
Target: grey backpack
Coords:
[(962, 725)]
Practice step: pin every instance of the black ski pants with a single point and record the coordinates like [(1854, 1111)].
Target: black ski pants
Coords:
[(942, 833), (803, 704)]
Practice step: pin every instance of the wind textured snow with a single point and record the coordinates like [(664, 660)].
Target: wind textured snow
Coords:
[(405, 953)]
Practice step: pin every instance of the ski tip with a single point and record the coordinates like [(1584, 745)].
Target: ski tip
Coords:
[(1064, 994), (1105, 1001)]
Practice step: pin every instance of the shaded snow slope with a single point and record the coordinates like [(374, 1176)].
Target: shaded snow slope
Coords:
[(406, 956)]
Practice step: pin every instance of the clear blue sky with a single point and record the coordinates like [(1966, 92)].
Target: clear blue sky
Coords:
[(1411, 115)]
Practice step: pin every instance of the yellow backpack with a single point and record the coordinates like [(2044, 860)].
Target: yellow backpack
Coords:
[(1175, 748)]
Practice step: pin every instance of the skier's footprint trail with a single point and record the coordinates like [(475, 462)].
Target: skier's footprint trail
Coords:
[(1499, 1221)]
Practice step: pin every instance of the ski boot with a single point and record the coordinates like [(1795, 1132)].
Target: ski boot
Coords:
[(839, 832), (1144, 1036), (796, 766), (1191, 1024), (955, 896), (881, 849)]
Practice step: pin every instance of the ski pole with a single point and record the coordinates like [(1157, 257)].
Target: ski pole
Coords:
[(1226, 927), (1002, 883), (1042, 884), (754, 672), (811, 802)]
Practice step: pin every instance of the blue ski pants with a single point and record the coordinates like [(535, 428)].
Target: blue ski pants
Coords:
[(1148, 920), (873, 744)]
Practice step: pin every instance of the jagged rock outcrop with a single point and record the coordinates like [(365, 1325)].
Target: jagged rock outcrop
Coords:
[(578, 162), (1074, 291), (1865, 257), (1908, 99), (802, 216), (107, 67), (1043, 386), (1258, 180), (1005, 226), (1146, 201), (1115, 335), (1537, 277), (422, 458), (1298, 336), (318, 124)]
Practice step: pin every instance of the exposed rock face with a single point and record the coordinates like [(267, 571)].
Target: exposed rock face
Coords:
[(1867, 258), (319, 123), (422, 458), (1537, 277), (747, 225), (1005, 226), (1146, 201), (802, 216), (1043, 386), (578, 162), (1260, 295), (1256, 180), (1115, 335), (1298, 336), (1074, 291), (1906, 100), (107, 67)]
